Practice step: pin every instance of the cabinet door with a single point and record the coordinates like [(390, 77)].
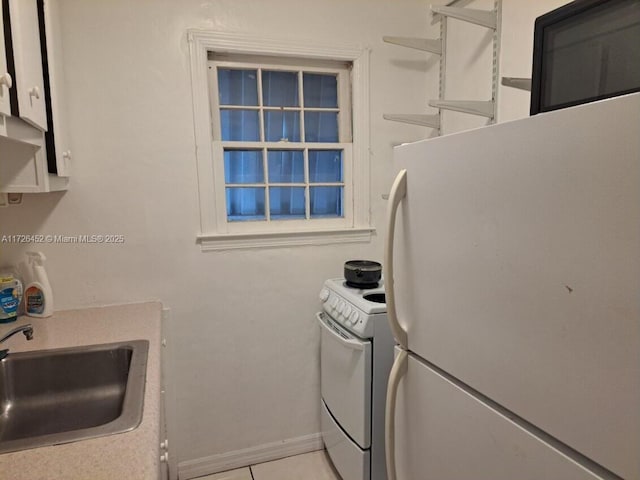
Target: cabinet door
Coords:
[(57, 138), (5, 78), (25, 32)]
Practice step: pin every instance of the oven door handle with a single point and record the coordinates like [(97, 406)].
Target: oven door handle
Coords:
[(347, 342)]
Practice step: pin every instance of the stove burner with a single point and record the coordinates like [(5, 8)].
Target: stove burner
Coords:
[(362, 286), (375, 297)]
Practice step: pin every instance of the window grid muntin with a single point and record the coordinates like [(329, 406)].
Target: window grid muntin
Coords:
[(260, 105), (266, 147), (307, 191), (341, 73), (303, 132), (344, 130), (278, 109)]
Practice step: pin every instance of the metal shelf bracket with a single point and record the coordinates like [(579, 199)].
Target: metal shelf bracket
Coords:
[(424, 44), (474, 107), (479, 17), (431, 121), (517, 82)]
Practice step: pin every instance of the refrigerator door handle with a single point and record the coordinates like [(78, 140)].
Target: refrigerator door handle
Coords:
[(398, 371), (398, 192)]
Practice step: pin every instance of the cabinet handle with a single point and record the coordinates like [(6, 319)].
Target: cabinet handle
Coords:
[(66, 154), (35, 92), (6, 80), (164, 458)]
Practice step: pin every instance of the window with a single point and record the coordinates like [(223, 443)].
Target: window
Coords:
[(287, 155), (282, 135)]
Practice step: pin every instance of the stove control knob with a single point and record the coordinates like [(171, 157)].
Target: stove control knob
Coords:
[(341, 306), (324, 295), (354, 318), (334, 302), (346, 311)]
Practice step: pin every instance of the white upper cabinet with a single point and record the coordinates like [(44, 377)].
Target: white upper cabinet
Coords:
[(6, 82), (5, 79), (27, 58), (58, 141), (35, 152)]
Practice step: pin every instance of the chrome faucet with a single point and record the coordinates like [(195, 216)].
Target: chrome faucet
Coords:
[(26, 329)]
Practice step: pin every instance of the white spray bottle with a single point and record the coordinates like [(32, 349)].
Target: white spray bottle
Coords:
[(38, 298)]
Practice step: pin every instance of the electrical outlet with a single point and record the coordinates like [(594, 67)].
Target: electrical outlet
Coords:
[(14, 198)]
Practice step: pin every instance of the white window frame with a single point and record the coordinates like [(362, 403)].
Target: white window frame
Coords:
[(216, 233), (343, 143)]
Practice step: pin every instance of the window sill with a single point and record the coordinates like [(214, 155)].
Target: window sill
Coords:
[(234, 241)]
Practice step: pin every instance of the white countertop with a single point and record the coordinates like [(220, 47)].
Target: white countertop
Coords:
[(132, 455)]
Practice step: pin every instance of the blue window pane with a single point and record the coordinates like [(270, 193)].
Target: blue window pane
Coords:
[(243, 166), (326, 202), (320, 90), (321, 126), (237, 87), (281, 125), (239, 125), (325, 166), (279, 89), (286, 166), (245, 204), (286, 202)]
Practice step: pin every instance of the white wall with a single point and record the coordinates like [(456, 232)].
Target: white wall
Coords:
[(244, 337)]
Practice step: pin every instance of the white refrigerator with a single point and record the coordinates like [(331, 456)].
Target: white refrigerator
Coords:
[(512, 271)]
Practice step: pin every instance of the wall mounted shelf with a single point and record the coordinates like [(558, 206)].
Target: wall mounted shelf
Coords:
[(432, 121), (473, 107), (424, 44), (479, 17), (15, 130), (23, 162), (456, 10), (517, 82)]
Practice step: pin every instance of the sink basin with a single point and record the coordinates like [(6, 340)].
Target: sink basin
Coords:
[(64, 395)]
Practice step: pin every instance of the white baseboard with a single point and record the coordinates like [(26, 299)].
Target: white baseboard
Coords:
[(249, 456)]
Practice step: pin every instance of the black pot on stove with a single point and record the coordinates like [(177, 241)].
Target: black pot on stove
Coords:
[(362, 273)]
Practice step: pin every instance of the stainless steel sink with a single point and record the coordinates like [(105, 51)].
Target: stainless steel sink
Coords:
[(57, 396)]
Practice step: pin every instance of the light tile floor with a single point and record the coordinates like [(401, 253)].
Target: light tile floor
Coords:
[(308, 466)]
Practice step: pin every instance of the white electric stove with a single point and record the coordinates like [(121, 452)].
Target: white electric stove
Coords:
[(356, 355)]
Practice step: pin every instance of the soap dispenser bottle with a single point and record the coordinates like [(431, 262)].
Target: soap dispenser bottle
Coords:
[(10, 296), (38, 298)]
